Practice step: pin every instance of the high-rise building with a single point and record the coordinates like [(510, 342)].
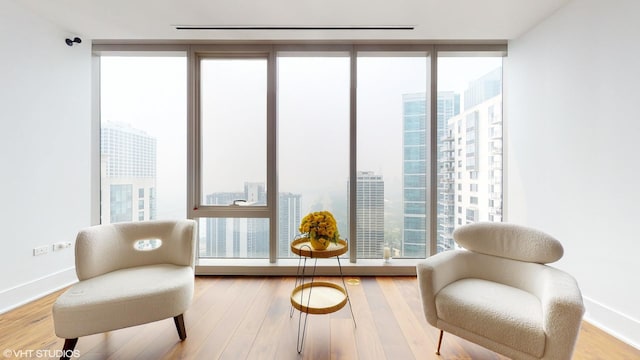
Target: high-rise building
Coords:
[(288, 222), (248, 237), (236, 237), (255, 193), (446, 193), (128, 185), (414, 172), (221, 239), (448, 107), (369, 214), (477, 135), (485, 87)]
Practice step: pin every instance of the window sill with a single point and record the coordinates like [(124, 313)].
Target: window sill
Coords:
[(288, 267)]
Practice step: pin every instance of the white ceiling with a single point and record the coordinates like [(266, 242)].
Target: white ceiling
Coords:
[(432, 19)]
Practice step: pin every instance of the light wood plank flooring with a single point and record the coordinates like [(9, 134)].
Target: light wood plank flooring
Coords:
[(248, 318)]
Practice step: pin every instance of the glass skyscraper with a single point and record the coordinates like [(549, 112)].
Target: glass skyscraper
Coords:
[(414, 172), (415, 190), (469, 160)]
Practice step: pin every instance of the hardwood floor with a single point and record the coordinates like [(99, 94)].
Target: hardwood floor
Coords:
[(248, 318)]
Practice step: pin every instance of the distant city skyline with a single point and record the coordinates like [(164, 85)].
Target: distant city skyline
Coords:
[(398, 214)]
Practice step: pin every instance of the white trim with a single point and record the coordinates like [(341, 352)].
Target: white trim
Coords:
[(619, 325), (24, 293)]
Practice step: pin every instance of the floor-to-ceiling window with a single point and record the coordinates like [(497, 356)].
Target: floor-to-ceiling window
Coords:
[(232, 156), (277, 131), (313, 139), (393, 137)]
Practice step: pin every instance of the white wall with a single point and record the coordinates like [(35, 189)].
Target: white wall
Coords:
[(573, 109), (45, 145), (572, 106)]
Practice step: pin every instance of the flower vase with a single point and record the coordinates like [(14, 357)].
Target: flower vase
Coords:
[(319, 243)]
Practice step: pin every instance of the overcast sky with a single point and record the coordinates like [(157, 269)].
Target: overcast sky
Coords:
[(150, 94)]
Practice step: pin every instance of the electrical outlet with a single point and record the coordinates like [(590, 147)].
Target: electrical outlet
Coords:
[(40, 250), (61, 245)]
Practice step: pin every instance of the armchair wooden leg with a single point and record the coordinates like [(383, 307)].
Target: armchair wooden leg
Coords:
[(67, 349), (179, 320), (439, 342)]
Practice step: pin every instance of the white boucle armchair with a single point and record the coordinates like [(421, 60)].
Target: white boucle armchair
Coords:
[(125, 283), (498, 292)]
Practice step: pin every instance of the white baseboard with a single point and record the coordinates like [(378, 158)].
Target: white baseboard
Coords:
[(619, 325), (24, 293)]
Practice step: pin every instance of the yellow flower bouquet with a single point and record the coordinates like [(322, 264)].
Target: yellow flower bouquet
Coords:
[(321, 229)]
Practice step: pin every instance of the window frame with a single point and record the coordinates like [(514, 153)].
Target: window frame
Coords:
[(120, 50), (269, 50), (195, 207)]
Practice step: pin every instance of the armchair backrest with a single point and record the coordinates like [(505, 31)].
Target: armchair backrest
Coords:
[(104, 248), (509, 241)]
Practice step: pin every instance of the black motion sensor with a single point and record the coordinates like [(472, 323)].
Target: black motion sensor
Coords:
[(71, 42)]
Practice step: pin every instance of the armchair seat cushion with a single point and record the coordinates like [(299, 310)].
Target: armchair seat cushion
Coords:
[(495, 311), (123, 298)]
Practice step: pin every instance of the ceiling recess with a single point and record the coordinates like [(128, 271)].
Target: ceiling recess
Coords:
[(294, 27)]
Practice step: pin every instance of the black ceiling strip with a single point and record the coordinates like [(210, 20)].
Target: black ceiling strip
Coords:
[(186, 27)]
